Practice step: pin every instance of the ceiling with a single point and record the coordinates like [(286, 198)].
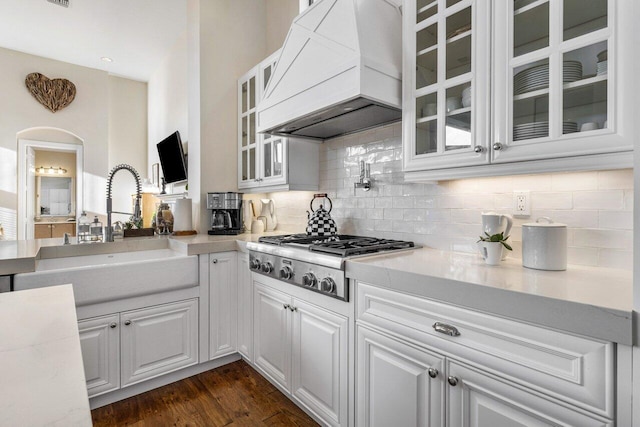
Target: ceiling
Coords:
[(136, 34)]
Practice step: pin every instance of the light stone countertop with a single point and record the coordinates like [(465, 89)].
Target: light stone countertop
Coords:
[(596, 302), (43, 381), (591, 301), (20, 256)]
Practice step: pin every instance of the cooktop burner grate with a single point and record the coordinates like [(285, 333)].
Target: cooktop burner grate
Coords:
[(303, 239), (359, 246)]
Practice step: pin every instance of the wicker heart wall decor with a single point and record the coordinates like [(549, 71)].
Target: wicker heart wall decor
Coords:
[(54, 94)]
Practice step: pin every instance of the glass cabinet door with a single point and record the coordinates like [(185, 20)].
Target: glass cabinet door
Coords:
[(557, 72), (247, 136), (446, 99)]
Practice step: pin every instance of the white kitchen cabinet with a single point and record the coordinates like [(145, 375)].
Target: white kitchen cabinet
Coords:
[(496, 371), (479, 399), (223, 304), (126, 348), (158, 340), (397, 384), (245, 308), (271, 334), (303, 349), (556, 95), (319, 361), (263, 159), (100, 344), (446, 84)]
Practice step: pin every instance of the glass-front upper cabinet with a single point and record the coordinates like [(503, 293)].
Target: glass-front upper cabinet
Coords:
[(248, 148), (261, 157), (554, 79), (446, 100)]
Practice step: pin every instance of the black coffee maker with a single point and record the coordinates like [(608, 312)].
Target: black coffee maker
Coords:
[(225, 213)]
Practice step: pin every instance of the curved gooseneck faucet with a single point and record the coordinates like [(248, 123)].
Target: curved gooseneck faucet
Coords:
[(136, 212)]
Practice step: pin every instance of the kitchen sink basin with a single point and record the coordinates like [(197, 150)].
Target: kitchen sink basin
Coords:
[(108, 277)]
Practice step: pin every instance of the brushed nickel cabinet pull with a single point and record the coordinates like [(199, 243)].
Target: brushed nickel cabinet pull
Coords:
[(443, 328)]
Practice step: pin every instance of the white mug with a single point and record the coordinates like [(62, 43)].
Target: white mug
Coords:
[(491, 252), (494, 223)]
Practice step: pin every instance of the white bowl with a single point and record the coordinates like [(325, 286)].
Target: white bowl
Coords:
[(589, 126), (453, 103), (466, 101)]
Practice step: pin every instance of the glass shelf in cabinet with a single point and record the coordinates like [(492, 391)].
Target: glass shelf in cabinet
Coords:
[(459, 111), (533, 94)]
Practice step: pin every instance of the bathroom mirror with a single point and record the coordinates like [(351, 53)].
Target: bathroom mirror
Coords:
[(55, 196)]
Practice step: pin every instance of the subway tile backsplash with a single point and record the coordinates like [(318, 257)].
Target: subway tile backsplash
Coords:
[(596, 206)]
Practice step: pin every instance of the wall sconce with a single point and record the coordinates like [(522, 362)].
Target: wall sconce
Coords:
[(51, 170), (365, 177)]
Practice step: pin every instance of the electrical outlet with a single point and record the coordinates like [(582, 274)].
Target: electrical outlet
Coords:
[(522, 203)]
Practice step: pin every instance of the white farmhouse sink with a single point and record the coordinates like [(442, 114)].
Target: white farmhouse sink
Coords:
[(108, 277)]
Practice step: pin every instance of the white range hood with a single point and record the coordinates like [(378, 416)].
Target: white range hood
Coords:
[(340, 71)]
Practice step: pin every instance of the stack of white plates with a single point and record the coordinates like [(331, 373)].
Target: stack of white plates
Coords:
[(537, 77), (601, 67), (569, 127), (530, 130), (540, 130)]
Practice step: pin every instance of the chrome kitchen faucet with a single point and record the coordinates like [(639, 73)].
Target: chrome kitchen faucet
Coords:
[(136, 210)]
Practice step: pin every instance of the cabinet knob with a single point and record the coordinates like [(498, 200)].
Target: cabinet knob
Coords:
[(292, 308), (286, 306), (113, 325), (433, 372), (478, 149), (453, 381), (497, 146), (127, 322), (214, 261)]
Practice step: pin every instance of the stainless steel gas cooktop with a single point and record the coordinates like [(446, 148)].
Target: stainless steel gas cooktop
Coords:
[(315, 262)]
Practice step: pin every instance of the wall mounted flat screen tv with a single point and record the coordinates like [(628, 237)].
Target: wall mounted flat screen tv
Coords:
[(172, 159)]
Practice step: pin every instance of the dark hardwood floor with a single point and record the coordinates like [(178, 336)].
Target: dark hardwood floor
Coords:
[(232, 395)]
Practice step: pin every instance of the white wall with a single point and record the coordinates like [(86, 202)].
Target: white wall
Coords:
[(127, 138), (168, 100), (87, 117)]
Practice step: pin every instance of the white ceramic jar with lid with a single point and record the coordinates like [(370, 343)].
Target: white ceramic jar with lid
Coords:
[(544, 245)]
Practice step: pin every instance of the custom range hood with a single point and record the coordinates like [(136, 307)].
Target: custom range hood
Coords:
[(340, 71)]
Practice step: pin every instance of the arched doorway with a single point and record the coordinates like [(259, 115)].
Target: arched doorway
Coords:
[(48, 140)]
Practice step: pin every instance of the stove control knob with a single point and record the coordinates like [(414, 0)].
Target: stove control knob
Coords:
[(286, 273), (255, 264), (267, 267), (328, 285), (309, 279)]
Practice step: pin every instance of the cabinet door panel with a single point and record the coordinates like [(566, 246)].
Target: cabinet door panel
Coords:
[(223, 288), (100, 344), (58, 230), (319, 368), (482, 400), (42, 231), (272, 341), (393, 383), (158, 340), (245, 308)]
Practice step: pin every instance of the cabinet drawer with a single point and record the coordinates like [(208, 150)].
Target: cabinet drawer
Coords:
[(571, 368)]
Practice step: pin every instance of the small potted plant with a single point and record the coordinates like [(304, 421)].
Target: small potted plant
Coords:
[(491, 247)]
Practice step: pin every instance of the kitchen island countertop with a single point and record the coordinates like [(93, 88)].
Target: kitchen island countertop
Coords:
[(42, 374), (592, 301)]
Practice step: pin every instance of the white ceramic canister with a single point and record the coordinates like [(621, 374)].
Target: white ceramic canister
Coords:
[(544, 245)]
